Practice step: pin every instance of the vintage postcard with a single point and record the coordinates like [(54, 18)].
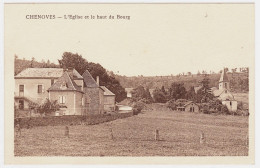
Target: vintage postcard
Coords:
[(167, 83)]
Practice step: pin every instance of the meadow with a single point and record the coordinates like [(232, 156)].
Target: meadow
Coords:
[(179, 135)]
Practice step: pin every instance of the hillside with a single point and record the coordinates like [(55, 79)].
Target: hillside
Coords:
[(238, 81), (21, 64)]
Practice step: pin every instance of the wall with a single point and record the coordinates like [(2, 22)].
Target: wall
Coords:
[(31, 88), (69, 102), (232, 107), (69, 120), (196, 107), (109, 103), (95, 102)]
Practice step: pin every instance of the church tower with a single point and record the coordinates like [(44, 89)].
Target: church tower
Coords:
[(223, 81)]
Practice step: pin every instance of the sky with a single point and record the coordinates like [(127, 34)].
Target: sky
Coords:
[(159, 39)]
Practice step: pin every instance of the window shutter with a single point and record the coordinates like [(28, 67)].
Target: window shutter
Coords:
[(64, 99), (42, 88)]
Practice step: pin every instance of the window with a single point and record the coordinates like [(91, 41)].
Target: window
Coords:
[(226, 85), (62, 99), (21, 104), (230, 103), (40, 89), (21, 88)]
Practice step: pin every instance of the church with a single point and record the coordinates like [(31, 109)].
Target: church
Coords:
[(224, 94)]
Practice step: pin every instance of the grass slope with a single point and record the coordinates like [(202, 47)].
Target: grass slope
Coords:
[(134, 136)]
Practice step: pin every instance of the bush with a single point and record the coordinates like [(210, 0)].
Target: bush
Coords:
[(138, 107), (224, 109), (171, 104)]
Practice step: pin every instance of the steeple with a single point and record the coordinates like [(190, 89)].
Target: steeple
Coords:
[(223, 81)]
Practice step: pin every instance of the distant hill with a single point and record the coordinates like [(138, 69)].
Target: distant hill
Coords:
[(238, 81), (21, 64)]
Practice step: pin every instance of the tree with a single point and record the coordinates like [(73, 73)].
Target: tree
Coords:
[(73, 60), (141, 94), (79, 63), (177, 91), (159, 96), (191, 95), (203, 94), (32, 62)]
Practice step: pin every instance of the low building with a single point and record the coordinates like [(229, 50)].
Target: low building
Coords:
[(109, 100), (189, 107), (129, 92)]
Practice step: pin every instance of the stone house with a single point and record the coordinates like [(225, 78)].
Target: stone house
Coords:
[(189, 107), (109, 99), (68, 87)]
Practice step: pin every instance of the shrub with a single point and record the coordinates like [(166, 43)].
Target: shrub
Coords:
[(171, 104), (224, 109), (138, 107)]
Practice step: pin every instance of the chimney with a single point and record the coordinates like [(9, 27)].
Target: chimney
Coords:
[(97, 80)]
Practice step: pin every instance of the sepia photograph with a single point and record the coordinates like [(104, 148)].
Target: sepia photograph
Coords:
[(116, 82)]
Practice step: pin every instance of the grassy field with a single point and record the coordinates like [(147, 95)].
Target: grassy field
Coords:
[(243, 97), (134, 136)]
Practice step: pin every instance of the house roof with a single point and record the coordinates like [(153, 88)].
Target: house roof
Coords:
[(46, 73), (107, 92), (226, 96), (65, 83), (74, 74), (189, 102), (218, 92), (40, 73), (89, 80), (223, 77)]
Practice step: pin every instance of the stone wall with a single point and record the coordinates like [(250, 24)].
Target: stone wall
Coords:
[(69, 120)]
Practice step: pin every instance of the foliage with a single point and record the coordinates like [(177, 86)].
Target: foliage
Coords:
[(138, 107), (191, 95), (203, 94), (79, 63), (159, 96), (177, 91), (171, 104), (45, 108), (189, 80), (141, 94), (21, 64), (73, 60)]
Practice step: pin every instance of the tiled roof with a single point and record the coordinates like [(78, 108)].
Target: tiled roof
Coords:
[(189, 102), (223, 77), (89, 80), (107, 92), (46, 73), (41, 73), (65, 83)]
